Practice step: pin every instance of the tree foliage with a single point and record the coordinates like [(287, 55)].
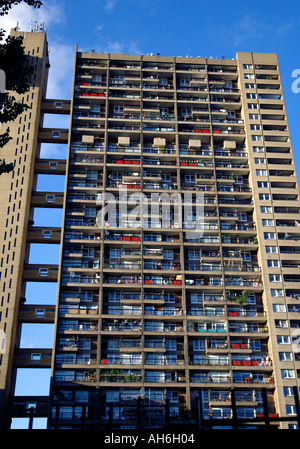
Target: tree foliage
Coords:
[(14, 63)]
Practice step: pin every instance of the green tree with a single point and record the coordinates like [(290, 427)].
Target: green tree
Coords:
[(13, 62)]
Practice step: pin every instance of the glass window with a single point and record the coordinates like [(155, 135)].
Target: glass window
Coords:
[(271, 249), (264, 196), (273, 263), (269, 236), (279, 308), (285, 356), (260, 172), (274, 277), (262, 184), (287, 373), (276, 292), (266, 209), (288, 391), (283, 339)]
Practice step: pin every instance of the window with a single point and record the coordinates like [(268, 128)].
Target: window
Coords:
[(90, 212), (269, 236), (281, 323), (55, 133), (246, 255), (163, 81), (95, 108), (273, 263), (194, 255), (252, 106), (43, 272), (267, 222), (259, 160), (239, 180), (276, 292), (287, 373), (279, 308), (271, 249), (196, 298), (252, 96), (40, 313), (283, 339), (274, 278), (186, 111), (50, 198), (168, 254), (262, 184), (231, 114), (58, 104), (266, 209), (261, 172), (47, 234), (171, 345), (264, 197), (97, 78), (288, 391), (254, 116), (184, 82), (258, 150), (249, 85), (256, 138), (118, 109), (248, 66), (249, 76), (243, 216), (285, 356), (35, 357), (290, 409)]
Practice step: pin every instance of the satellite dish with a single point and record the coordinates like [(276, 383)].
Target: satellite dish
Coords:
[(72, 274)]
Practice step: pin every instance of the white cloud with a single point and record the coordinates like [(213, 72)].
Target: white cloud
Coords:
[(111, 46), (25, 16), (109, 5)]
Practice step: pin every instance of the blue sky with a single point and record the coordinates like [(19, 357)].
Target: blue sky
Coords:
[(169, 27)]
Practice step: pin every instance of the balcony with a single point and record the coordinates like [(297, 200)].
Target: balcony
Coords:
[(117, 376), (240, 327), (207, 311), (210, 377), (239, 282), (162, 280), (77, 309), (209, 360), (121, 325), (209, 326), (78, 278), (124, 265), (252, 377), (205, 266)]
